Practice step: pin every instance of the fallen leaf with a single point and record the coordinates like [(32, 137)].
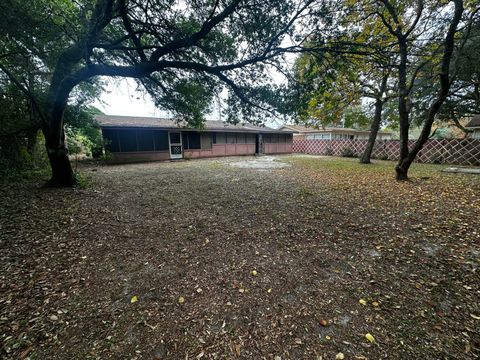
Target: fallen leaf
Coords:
[(339, 356), (362, 301), (181, 300), (370, 337), (254, 272), (134, 299)]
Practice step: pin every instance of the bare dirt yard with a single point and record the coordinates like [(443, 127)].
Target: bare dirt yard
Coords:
[(225, 259)]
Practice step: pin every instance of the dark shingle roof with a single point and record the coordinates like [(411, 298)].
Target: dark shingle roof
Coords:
[(150, 122), (474, 122)]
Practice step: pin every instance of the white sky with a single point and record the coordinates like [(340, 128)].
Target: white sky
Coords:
[(122, 98)]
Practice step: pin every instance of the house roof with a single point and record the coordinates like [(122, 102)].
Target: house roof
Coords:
[(309, 130), (474, 122), (116, 121)]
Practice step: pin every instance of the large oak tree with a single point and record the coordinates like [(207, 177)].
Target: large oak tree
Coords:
[(182, 52)]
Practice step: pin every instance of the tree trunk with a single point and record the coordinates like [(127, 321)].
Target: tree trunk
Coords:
[(31, 141), (403, 110), (377, 120), (367, 154), (408, 156), (62, 173), (401, 170)]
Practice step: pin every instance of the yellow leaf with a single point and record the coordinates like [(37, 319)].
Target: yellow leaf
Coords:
[(181, 300), (476, 317), (254, 272), (370, 337), (362, 301), (134, 299)]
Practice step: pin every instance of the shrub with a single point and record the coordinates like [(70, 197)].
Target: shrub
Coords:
[(328, 151), (348, 152), (19, 160), (383, 157)]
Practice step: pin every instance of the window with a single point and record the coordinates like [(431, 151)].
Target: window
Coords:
[(231, 138), (161, 140), (110, 140), (145, 140), (191, 140), (274, 138), (128, 140)]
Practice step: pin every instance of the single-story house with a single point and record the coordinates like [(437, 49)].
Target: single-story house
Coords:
[(332, 133), (474, 124), (130, 138)]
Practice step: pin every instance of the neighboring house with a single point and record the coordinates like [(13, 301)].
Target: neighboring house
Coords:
[(332, 133), (474, 124), (130, 138)]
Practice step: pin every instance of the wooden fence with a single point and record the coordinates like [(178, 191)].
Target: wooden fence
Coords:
[(445, 151)]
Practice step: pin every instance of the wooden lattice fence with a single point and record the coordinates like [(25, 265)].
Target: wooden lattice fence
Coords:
[(446, 151)]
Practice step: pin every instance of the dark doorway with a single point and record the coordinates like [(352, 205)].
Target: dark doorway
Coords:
[(258, 144)]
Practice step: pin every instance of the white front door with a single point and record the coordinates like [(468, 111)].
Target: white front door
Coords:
[(175, 144)]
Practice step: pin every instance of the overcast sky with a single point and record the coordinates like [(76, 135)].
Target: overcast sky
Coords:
[(121, 98)]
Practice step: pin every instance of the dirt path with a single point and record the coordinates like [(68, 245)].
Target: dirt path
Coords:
[(339, 251)]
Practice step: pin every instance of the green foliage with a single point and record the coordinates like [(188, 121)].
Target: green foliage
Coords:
[(82, 132), (23, 158), (82, 180), (325, 87), (356, 117), (348, 152)]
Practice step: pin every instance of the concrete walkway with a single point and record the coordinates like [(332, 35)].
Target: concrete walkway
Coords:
[(462, 170)]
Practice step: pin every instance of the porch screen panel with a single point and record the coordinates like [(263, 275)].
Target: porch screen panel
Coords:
[(145, 140), (161, 140), (110, 140), (241, 138), (128, 140), (250, 138), (191, 140), (206, 140), (220, 138), (231, 138)]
